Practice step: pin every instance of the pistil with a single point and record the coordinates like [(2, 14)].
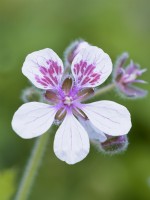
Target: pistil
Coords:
[(68, 100)]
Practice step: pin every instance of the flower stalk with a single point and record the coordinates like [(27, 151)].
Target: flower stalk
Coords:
[(104, 89), (32, 167)]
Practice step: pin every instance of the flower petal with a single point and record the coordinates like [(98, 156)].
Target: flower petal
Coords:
[(33, 119), (71, 143), (109, 117), (131, 91), (93, 132), (132, 68), (121, 60), (43, 68), (91, 67)]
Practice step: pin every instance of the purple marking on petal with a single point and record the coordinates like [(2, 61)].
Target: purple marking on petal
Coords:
[(85, 73), (76, 69), (43, 70), (85, 80), (50, 75), (89, 69), (97, 77), (40, 80)]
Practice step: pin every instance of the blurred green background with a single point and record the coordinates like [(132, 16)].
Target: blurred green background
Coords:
[(115, 26)]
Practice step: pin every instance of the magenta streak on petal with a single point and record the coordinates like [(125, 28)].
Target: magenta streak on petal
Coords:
[(46, 79), (76, 69), (50, 74), (40, 81), (85, 73), (89, 69), (85, 80), (43, 70), (97, 77)]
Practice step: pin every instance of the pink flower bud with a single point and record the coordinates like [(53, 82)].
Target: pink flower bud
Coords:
[(73, 49), (114, 145)]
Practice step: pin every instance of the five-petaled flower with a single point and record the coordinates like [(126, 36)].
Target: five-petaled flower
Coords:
[(65, 94), (125, 77)]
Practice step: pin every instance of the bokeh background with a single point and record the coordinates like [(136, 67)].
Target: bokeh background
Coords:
[(115, 26)]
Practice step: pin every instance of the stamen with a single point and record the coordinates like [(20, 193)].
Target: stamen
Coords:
[(85, 94), (52, 96), (60, 114), (79, 113), (67, 85)]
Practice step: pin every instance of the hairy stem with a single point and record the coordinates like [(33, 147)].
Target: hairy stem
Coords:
[(32, 167), (104, 90)]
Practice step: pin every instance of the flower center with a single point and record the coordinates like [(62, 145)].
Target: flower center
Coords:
[(129, 78), (68, 100)]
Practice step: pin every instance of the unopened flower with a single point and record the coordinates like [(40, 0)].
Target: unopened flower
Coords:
[(90, 68), (105, 143), (125, 77), (31, 94), (114, 145), (73, 49)]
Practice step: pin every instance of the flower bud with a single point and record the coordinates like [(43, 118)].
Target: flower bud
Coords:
[(31, 94), (73, 49), (114, 145)]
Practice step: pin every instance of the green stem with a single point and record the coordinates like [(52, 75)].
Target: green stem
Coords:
[(32, 167), (105, 89), (102, 90)]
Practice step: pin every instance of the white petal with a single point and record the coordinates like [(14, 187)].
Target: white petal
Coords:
[(93, 132), (33, 119), (43, 68), (71, 143), (109, 117), (91, 67)]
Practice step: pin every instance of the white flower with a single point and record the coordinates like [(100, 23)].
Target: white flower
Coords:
[(90, 68)]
